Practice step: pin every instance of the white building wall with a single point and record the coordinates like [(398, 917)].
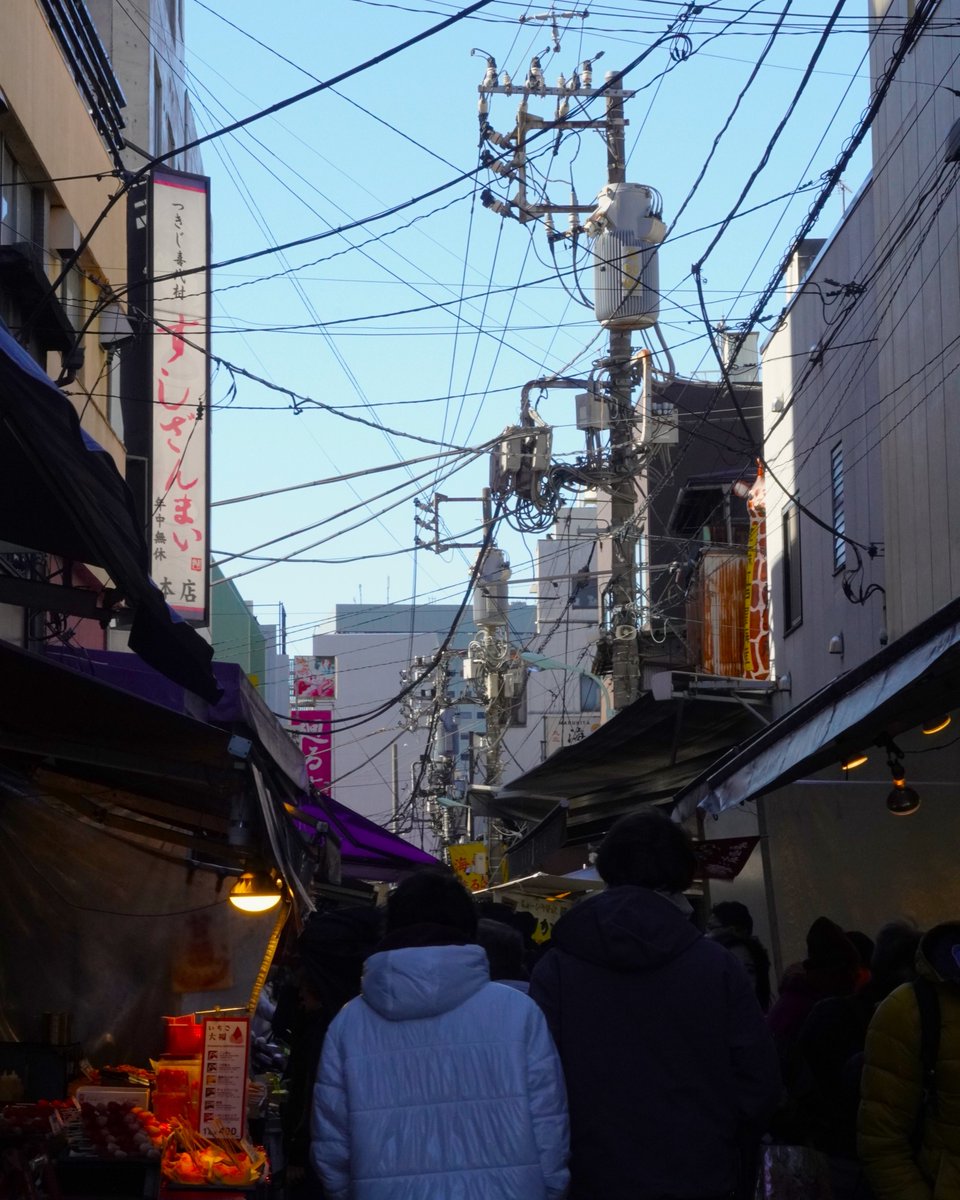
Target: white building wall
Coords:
[(367, 674), (820, 382), (887, 335), (918, 291), (567, 617)]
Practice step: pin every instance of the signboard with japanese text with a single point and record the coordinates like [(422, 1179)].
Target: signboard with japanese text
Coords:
[(311, 727), (470, 863), (314, 678), (567, 729), (223, 1077), (180, 373)]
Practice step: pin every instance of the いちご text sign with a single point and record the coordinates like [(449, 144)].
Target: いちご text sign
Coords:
[(223, 1079)]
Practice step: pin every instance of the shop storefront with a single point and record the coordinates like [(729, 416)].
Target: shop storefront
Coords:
[(130, 810)]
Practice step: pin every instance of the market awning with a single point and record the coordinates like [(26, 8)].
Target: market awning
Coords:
[(914, 678), (61, 494), (69, 724), (644, 754), (142, 737), (367, 850), (544, 886)]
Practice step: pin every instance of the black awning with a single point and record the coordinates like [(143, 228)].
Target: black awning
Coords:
[(62, 494), (645, 754), (911, 680)]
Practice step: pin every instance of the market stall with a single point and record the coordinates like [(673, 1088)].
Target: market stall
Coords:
[(133, 818)]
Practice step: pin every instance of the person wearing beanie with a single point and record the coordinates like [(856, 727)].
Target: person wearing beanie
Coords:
[(670, 1071), (435, 1082)]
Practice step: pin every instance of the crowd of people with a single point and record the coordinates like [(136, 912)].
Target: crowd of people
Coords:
[(438, 1053)]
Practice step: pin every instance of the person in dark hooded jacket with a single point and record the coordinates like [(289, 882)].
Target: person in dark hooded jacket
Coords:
[(667, 1060)]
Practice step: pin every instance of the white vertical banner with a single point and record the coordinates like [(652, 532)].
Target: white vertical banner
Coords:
[(179, 499)]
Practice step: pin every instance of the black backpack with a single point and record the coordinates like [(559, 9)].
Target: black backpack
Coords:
[(928, 1005)]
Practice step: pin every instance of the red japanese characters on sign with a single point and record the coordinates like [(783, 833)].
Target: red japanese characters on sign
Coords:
[(223, 1079), (316, 741), (181, 421)]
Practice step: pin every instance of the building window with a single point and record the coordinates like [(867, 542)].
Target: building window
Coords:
[(14, 200), (589, 694), (792, 586), (114, 396), (584, 594), (839, 521)]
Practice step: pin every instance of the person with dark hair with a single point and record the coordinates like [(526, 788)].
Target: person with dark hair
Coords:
[(331, 948), (831, 968), (504, 947), (667, 1060), (830, 1049), (435, 1082), (730, 915), (752, 956)]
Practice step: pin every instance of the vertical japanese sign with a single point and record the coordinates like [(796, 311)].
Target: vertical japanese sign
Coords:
[(756, 617), (311, 727), (223, 1078), (179, 499)]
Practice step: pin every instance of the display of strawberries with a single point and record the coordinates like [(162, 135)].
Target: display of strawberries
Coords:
[(117, 1129)]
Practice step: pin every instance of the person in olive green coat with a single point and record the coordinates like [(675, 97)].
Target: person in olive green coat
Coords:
[(900, 1160)]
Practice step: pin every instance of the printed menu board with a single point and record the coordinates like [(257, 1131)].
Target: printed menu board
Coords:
[(223, 1080)]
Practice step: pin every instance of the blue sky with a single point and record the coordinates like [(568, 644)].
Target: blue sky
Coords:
[(312, 321)]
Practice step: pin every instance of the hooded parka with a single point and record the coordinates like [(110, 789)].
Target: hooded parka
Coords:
[(891, 1085), (437, 1084), (663, 1045)]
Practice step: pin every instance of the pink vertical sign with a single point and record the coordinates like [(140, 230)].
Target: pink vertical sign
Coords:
[(312, 728)]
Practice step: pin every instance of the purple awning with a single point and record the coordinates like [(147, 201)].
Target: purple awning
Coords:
[(367, 850)]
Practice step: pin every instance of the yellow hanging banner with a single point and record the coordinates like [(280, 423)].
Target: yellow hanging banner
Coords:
[(471, 864)]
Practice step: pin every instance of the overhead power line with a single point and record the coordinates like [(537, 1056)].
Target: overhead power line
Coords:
[(71, 259)]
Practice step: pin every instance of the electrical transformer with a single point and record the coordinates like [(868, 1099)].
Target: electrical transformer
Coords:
[(626, 229)]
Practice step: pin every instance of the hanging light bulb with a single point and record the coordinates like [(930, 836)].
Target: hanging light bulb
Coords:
[(256, 892), (936, 724), (854, 761), (902, 800)]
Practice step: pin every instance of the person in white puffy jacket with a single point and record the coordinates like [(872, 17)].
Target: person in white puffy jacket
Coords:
[(435, 1082)]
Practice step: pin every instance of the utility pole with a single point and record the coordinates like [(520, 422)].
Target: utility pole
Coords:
[(623, 227), (617, 508), (495, 679)]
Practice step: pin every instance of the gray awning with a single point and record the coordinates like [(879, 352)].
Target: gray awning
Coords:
[(644, 754), (909, 681)]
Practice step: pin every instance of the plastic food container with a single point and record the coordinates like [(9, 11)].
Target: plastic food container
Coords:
[(177, 1090), (92, 1093), (184, 1035)]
